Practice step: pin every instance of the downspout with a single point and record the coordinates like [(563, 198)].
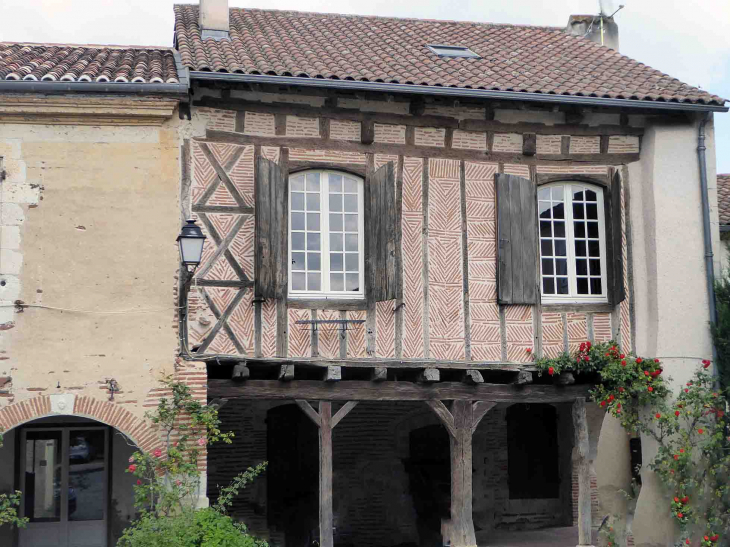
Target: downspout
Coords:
[(709, 266)]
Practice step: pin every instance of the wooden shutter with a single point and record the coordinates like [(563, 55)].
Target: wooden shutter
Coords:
[(271, 229), (516, 240), (614, 242), (382, 228)]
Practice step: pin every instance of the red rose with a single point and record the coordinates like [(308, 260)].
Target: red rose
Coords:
[(676, 456), (588, 345), (715, 537), (680, 515), (676, 413), (687, 541), (676, 500), (618, 406), (623, 363), (646, 373), (685, 499), (611, 398), (681, 450), (621, 356), (707, 538), (529, 350), (656, 360), (686, 390), (621, 389), (700, 431), (139, 482), (658, 415), (650, 389), (638, 360), (551, 371), (706, 362), (132, 468), (586, 358), (603, 403)]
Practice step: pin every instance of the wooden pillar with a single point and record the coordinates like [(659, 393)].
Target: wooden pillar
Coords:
[(326, 423), (580, 426), (461, 422)]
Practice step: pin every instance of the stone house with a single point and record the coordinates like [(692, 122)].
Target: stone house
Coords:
[(401, 214)]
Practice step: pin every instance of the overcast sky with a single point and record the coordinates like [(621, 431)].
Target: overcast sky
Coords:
[(687, 39)]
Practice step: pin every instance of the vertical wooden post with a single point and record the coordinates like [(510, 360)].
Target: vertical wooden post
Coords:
[(580, 426), (326, 536)]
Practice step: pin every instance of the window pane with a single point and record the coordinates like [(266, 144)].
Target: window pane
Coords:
[(548, 285), (313, 242), (86, 475), (579, 228), (562, 283), (546, 248), (559, 228), (337, 282), (312, 182), (544, 208), (577, 193), (578, 212), (593, 229), (580, 248), (297, 201), (351, 242), (351, 262), (557, 193), (352, 282), (297, 221), (350, 185), (351, 203), (314, 282), (596, 285), (559, 211), (543, 194), (351, 223), (582, 285), (297, 261), (595, 267), (335, 202), (594, 249), (297, 184), (297, 241), (561, 266), (314, 261), (335, 242), (313, 221), (592, 211), (336, 222), (590, 195), (43, 476), (545, 229), (336, 262), (312, 202), (560, 247), (298, 281), (581, 267), (547, 266), (335, 182)]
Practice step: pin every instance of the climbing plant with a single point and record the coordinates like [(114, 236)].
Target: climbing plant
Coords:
[(690, 428), (9, 504)]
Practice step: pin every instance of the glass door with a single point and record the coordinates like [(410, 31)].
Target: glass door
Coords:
[(65, 487)]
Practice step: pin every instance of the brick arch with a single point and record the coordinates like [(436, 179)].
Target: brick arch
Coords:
[(139, 431)]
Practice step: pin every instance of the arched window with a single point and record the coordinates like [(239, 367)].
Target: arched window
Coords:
[(326, 235), (572, 242)]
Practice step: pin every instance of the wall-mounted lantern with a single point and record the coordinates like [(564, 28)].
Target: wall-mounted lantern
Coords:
[(191, 241)]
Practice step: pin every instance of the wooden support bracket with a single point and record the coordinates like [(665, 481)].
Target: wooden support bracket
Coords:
[(286, 373), (240, 372), (429, 375), (379, 374), (444, 415), (522, 378), (333, 373), (479, 410), (473, 377)]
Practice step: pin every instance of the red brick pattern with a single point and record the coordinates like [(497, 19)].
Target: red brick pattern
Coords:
[(300, 340), (343, 130), (623, 144), (268, 328), (328, 335), (412, 226), (585, 145), (625, 306), (331, 156), (577, 330), (474, 140), (507, 142), (395, 134), (446, 314), (271, 153), (486, 342), (573, 169), (520, 333), (549, 144), (356, 347), (385, 328), (430, 136), (296, 126), (552, 334), (517, 169), (602, 327), (383, 49), (257, 123), (220, 120), (73, 63), (382, 159)]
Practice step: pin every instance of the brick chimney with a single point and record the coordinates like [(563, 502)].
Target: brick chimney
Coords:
[(214, 20), (590, 27)]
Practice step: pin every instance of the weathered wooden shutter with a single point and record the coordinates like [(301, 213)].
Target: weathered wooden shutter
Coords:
[(382, 233), (516, 240), (614, 242), (271, 229)]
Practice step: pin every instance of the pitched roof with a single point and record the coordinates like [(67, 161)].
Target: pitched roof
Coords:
[(723, 198), (379, 49), (75, 63)]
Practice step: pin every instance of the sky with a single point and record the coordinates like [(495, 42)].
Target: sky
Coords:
[(685, 39)]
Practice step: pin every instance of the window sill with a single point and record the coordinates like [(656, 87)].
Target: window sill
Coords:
[(596, 307), (298, 303)]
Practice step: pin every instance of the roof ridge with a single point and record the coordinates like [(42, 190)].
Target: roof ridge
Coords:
[(383, 17), (104, 46)]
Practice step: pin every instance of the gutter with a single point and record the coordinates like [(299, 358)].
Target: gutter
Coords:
[(706, 231), (451, 91), (24, 86)]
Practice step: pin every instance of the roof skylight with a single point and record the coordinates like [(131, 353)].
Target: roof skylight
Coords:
[(452, 51)]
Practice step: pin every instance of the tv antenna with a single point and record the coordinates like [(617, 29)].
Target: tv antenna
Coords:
[(602, 15)]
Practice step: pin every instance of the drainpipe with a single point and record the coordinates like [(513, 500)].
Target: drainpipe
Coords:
[(709, 266)]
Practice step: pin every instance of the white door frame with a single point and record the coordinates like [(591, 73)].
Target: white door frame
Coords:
[(62, 526)]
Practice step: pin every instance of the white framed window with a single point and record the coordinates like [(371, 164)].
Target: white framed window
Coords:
[(572, 231), (326, 235)]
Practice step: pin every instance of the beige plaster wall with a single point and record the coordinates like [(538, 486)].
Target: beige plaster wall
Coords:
[(89, 220)]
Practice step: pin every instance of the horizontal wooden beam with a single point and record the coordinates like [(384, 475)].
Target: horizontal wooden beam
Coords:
[(223, 283), (393, 391), (214, 136), (223, 209), (418, 120), (379, 363)]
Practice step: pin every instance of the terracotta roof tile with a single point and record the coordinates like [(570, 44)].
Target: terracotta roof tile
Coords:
[(379, 49), (75, 63), (723, 198)]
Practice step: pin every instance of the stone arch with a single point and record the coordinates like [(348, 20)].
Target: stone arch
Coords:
[(67, 404)]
